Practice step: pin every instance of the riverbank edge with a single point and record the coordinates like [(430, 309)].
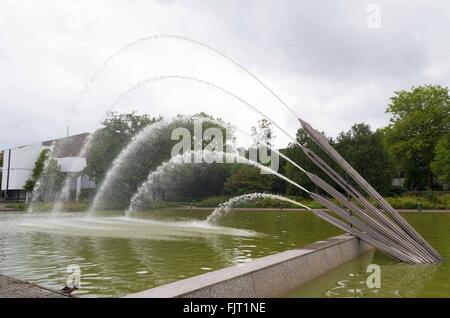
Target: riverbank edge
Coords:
[(14, 288), (270, 276), (300, 209), (187, 207)]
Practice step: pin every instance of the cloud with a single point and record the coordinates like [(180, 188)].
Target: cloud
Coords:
[(320, 56)]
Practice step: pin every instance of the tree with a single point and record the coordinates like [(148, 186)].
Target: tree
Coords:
[(37, 170), (48, 172), (108, 141), (149, 152), (419, 119), (263, 133), (296, 154), (247, 179), (184, 183), (441, 163), (365, 151), (52, 179)]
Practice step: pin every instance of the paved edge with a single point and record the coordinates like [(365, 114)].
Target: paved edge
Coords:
[(15, 288), (271, 276)]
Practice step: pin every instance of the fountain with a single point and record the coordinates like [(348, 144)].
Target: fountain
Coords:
[(227, 207), (64, 193), (46, 188), (391, 234), (39, 183), (401, 239), (146, 189), (391, 240), (118, 162), (148, 139), (349, 208)]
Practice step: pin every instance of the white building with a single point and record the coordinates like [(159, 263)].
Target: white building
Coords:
[(18, 164)]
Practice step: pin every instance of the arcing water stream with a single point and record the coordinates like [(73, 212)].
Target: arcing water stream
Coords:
[(227, 207), (145, 191)]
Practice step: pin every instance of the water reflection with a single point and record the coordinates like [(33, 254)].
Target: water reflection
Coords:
[(404, 280), (397, 279), (119, 256)]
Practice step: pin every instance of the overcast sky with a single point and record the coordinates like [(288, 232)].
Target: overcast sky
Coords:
[(334, 62)]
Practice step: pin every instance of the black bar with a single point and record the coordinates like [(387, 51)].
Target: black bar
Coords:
[(7, 174)]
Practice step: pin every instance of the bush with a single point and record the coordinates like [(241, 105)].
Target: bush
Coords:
[(211, 202), (67, 206), (17, 206), (214, 202), (428, 201)]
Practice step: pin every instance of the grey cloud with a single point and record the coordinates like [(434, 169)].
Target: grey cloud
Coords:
[(323, 48)]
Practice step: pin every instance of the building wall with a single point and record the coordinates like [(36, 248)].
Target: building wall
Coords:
[(21, 165), (23, 159)]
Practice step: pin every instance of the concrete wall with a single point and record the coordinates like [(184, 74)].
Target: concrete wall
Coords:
[(22, 164), (270, 276)]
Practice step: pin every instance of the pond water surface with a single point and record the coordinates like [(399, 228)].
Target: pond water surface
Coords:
[(119, 255)]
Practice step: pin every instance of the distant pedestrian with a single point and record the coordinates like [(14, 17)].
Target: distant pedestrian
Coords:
[(419, 207)]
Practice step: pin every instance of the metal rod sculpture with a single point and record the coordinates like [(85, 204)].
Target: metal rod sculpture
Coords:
[(383, 227)]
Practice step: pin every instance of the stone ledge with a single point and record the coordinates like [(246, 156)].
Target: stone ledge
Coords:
[(270, 276), (14, 288)]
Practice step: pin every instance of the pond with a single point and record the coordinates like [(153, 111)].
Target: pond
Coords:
[(397, 279), (119, 255)]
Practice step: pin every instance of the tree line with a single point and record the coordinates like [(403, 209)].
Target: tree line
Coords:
[(415, 145)]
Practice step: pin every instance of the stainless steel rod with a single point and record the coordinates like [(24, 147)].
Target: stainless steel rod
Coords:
[(362, 200), (359, 234), (320, 140), (372, 223), (401, 254)]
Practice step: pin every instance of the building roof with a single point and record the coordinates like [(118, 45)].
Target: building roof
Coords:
[(67, 146)]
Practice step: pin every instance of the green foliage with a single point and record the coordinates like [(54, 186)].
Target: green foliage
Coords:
[(420, 118), (247, 179), (441, 163), (279, 186), (431, 200), (37, 170), (365, 151), (48, 206), (295, 153), (51, 181), (17, 206), (190, 181), (411, 202), (214, 202), (107, 142), (48, 172), (152, 151), (263, 133)]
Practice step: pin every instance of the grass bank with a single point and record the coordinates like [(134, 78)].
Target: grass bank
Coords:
[(407, 202)]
